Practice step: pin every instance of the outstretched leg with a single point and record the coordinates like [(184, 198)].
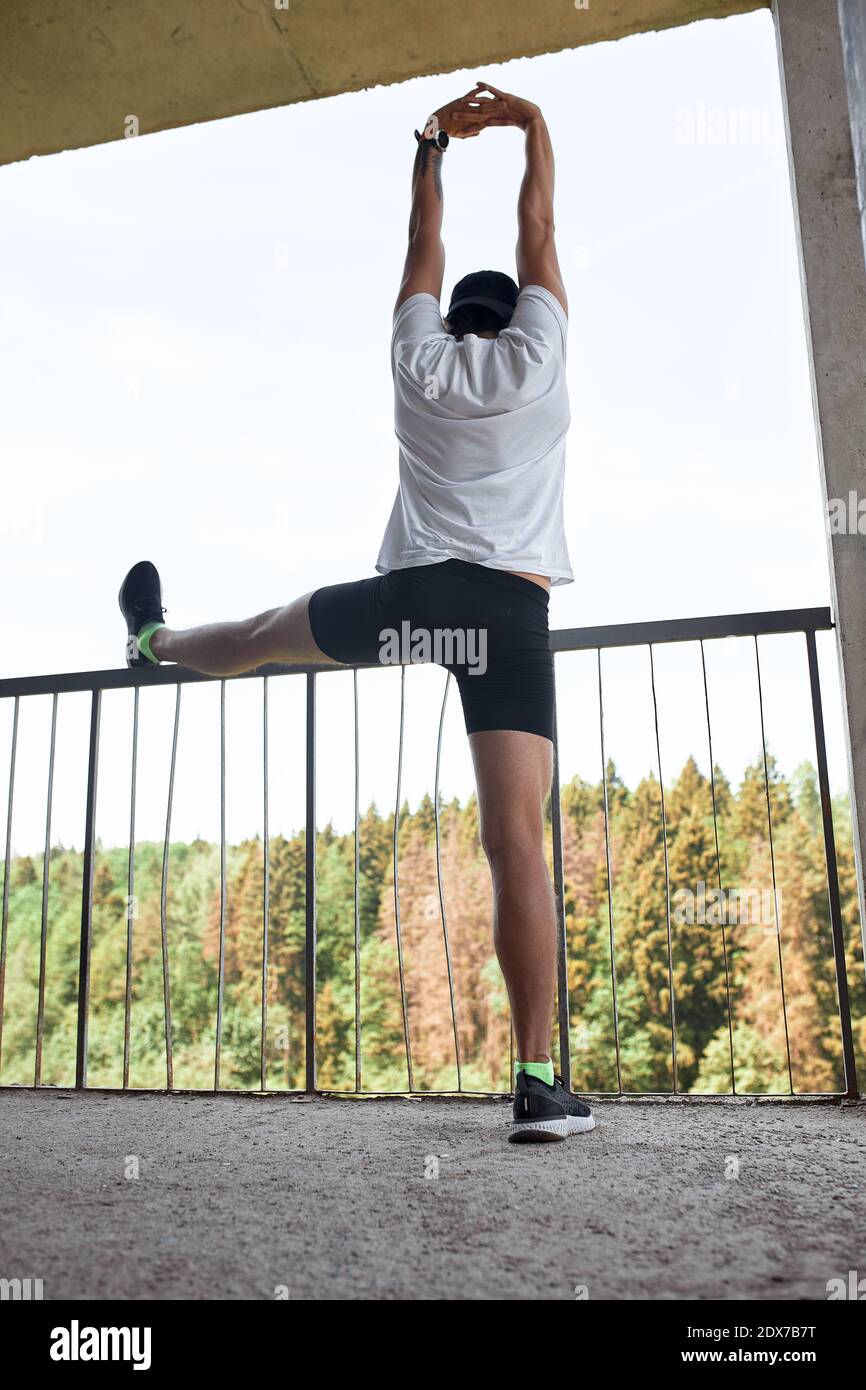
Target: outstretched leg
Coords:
[(227, 649), (219, 649), (513, 772)]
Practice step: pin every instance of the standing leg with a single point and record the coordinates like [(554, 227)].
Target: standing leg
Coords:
[(513, 772)]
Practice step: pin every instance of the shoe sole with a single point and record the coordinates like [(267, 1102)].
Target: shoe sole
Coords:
[(549, 1131)]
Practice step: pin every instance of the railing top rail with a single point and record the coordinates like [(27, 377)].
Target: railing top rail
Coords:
[(561, 640), (693, 629)]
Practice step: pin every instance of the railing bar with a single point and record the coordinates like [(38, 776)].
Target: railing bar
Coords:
[(773, 865), (356, 885), (719, 873), (87, 893), (222, 946), (722, 1098), (266, 886), (683, 1097), (691, 629), (562, 1007), (563, 639), (163, 914), (608, 863), (311, 926), (43, 928), (835, 904), (403, 999), (837, 925), (441, 886), (4, 923), (667, 877), (130, 891)]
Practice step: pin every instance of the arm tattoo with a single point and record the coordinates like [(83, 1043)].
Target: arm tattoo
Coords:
[(437, 174), (425, 153)]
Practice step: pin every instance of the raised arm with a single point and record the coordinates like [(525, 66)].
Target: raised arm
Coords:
[(537, 261), (424, 267)]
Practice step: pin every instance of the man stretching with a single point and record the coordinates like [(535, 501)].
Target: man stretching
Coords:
[(473, 544)]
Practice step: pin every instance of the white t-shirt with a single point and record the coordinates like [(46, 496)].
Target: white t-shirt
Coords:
[(481, 426)]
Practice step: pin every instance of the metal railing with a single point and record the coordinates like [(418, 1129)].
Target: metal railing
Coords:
[(699, 630)]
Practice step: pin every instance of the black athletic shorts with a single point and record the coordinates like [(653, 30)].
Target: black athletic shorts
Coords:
[(488, 627)]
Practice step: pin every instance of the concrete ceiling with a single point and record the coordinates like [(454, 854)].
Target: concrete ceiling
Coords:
[(72, 71)]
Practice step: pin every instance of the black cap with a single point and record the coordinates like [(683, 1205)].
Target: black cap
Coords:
[(490, 288)]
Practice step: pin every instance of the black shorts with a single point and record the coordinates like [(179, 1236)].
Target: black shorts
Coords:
[(488, 627)]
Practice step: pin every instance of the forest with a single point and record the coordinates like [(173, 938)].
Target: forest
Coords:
[(754, 990)]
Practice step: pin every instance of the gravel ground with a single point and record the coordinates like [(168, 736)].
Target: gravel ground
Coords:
[(239, 1195)]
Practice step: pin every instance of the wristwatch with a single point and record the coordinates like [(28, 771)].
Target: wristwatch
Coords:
[(432, 133)]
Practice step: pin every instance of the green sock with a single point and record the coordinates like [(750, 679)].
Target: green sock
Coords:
[(543, 1070), (144, 641)]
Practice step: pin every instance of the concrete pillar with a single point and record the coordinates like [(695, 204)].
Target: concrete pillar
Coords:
[(822, 62), (852, 18)]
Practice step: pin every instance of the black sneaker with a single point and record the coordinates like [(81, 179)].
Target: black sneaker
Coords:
[(140, 600), (543, 1114)]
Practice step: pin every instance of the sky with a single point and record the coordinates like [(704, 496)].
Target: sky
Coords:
[(195, 336)]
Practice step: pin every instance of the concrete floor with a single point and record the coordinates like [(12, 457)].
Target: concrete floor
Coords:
[(238, 1196)]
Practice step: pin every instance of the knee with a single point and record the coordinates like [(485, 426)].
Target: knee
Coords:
[(261, 628), (513, 842)]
